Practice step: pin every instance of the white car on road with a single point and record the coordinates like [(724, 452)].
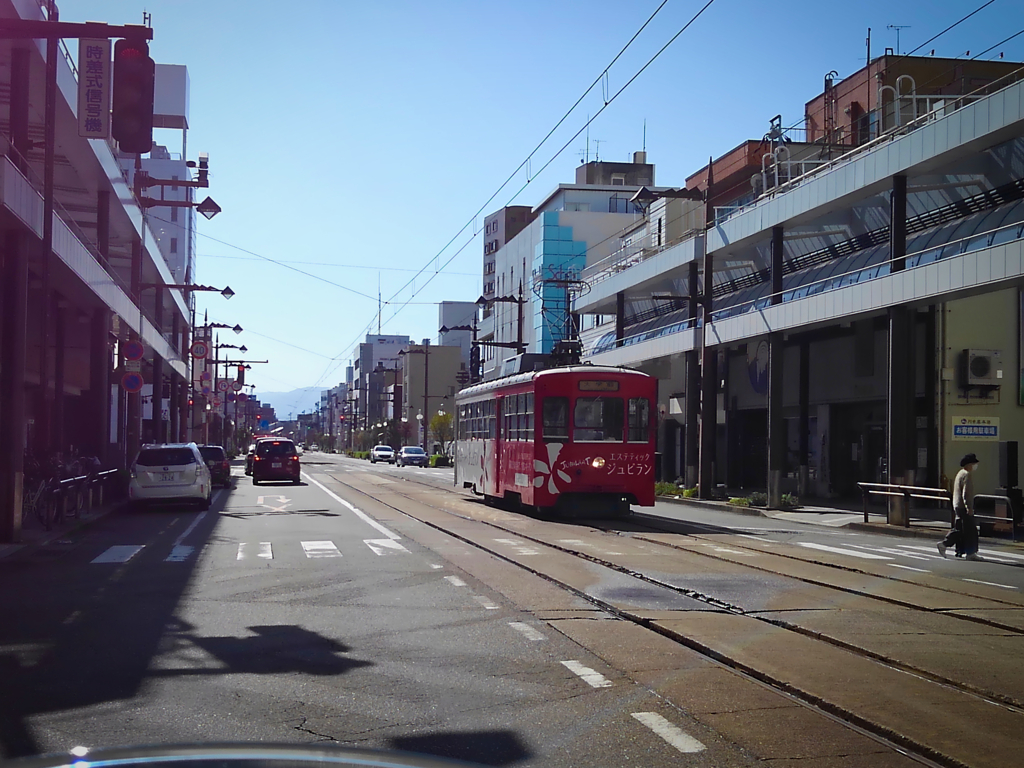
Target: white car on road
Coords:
[(382, 453), (170, 473)]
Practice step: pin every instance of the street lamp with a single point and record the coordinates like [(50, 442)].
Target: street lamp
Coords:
[(226, 291), (425, 351), (519, 301)]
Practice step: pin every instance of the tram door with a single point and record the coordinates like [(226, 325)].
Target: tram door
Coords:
[(499, 444)]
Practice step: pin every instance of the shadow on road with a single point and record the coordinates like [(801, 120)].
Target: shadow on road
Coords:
[(482, 747)]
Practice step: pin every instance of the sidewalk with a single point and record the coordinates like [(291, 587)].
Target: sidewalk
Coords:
[(34, 535), (928, 523)]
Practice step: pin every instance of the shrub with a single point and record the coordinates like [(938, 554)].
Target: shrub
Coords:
[(758, 499), (790, 500), (739, 501), (666, 489), (440, 460), (689, 493)]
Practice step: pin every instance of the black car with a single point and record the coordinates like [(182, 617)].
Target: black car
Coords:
[(217, 461), (275, 459)]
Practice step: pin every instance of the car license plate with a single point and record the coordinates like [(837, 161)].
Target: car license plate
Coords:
[(166, 477), (276, 465)]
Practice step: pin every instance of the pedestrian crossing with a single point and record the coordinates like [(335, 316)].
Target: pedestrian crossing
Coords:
[(252, 551)]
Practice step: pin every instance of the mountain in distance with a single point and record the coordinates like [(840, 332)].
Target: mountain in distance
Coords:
[(288, 405)]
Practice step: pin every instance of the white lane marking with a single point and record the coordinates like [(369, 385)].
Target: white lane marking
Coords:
[(673, 734), (589, 676), (266, 551), (358, 512), (455, 581), (991, 584), (1005, 554), (485, 603), (436, 567), (120, 553), (575, 542), (520, 547), (320, 549), (384, 546), (841, 551), (734, 552), (529, 632), (909, 568), (179, 554), (760, 539)]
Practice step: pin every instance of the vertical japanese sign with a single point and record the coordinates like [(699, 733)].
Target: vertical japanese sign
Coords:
[(94, 89)]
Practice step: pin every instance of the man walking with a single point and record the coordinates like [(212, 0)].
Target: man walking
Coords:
[(964, 534)]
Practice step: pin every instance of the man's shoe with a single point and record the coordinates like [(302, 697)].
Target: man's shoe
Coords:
[(942, 548), (973, 556)]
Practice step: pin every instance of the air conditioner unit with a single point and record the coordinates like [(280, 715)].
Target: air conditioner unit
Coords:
[(981, 368)]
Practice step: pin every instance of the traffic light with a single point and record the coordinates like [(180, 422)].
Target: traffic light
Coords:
[(341, 417), (132, 111), (241, 374)]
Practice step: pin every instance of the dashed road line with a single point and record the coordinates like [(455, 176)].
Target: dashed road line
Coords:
[(909, 568), (527, 631), (485, 603), (265, 552), (384, 546), (589, 676), (673, 734), (991, 584), (455, 581)]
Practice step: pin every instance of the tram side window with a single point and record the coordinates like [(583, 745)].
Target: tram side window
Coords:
[(639, 419), (462, 423), (528, 433), (556, 418), (519, 418), (598, 419), (492, 419)]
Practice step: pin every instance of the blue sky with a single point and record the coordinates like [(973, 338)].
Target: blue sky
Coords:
[(354, 141)]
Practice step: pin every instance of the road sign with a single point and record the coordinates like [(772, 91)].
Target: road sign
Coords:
[(237, 386), (134, 350), (200, 349), (264, 424), (241, 397), (217, 402), (133, 366), (231, 397), (132, 382), (205, 376), (205, 389), (223, 385)]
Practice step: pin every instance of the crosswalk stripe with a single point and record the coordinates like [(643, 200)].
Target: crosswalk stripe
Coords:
[(527, 631), (119, 553), (384, 546), (179, 554), (314, 549), (266, 552), (841, 551)]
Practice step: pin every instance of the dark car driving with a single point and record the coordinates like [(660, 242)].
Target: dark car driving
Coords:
[(217, 461), (276, 459)]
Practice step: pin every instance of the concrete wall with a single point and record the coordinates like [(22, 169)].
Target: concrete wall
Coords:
[(990, 321)]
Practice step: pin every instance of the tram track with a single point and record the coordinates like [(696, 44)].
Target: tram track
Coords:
[(878, 731)]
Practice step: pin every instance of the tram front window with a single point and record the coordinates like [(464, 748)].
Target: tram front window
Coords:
[(556, 418), (598, 419)]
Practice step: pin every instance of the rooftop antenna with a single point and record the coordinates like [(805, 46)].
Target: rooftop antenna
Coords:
[(380, 309), (597, 150), (868, 42), (898, 27), (147, 19), (645, 134)]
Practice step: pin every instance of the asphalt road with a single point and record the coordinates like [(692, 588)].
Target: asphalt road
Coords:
[(377, 606)]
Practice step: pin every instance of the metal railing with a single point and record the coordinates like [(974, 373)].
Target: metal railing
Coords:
[(906, 492)]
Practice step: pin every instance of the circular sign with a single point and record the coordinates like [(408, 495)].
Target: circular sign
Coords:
[(217, 402), (223, 385), (205, 389), (132, 382), (199, 349), (241, 397), (237, 386), (134, 350), (231, 397), (205, 376)]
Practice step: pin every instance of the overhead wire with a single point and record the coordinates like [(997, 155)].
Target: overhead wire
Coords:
[(607, 102)]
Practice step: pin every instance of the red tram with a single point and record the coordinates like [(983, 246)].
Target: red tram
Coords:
[(574, 440)]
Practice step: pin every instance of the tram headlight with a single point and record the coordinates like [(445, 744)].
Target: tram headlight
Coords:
[(597, 463)]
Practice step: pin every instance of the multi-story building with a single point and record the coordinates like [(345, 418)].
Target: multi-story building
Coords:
[(81, 286), (430, 379), (537, 271), (845, 315), (373, 371)]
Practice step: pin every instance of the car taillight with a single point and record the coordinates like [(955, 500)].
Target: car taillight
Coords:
[(295, 458), (226, 464), (257, 458)]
